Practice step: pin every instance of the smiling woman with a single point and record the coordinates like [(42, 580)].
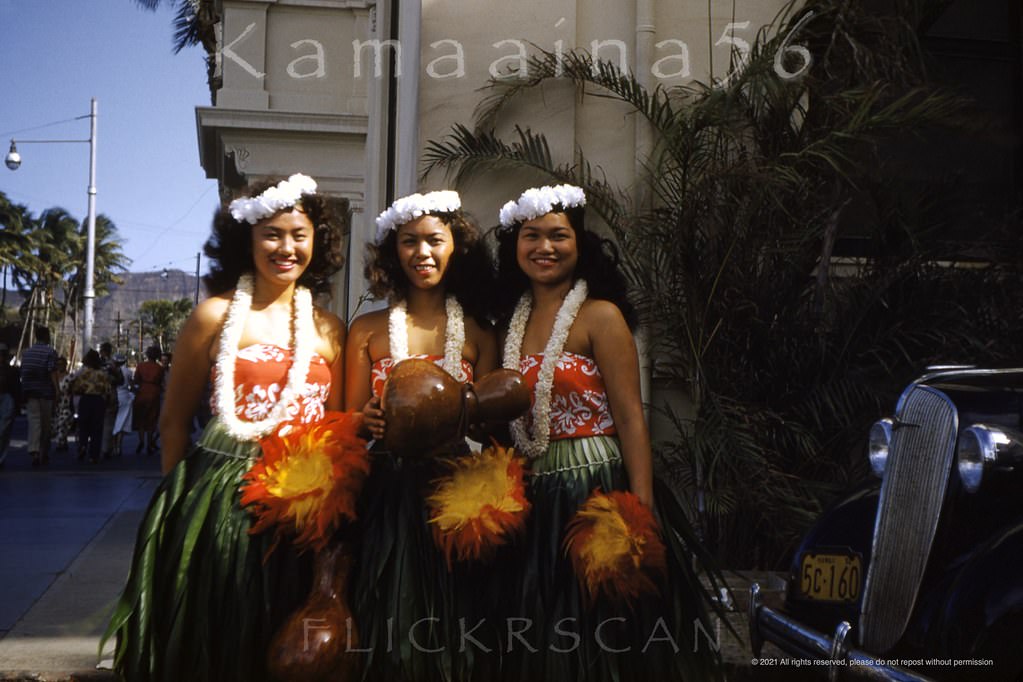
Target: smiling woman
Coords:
[(593, 552), (430, 263), (208, 587)]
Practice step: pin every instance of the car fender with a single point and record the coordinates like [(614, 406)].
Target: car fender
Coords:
[(847, 526), (982, 617)]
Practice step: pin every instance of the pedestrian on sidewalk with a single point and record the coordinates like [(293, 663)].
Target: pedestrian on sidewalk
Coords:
[(39, 386), (93, 384), (106, 357), (148, 380), (10, 397), (125, 398), (64, 418)]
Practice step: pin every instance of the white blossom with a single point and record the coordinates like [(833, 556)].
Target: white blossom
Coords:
[(284, 194), (454, 334), (536, 445), (303, 339), (407, 209), (538, 201)]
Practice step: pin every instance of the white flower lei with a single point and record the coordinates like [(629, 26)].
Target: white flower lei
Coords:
[(537, 445), (304, 334), (538, 201), (454, 334), (414, 206), (284, 194)]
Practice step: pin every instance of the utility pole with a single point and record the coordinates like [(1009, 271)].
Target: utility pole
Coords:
[(197, 260), (118, 320)]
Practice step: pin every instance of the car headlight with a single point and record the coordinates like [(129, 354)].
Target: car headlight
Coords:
[(982, 448), (878, 444)]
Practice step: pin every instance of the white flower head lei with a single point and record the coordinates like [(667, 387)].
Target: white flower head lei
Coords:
[(284, 194), (538, 201), (407, 209), (536, 445), (303, 336)]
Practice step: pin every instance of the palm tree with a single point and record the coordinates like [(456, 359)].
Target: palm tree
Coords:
[(162, 319), (50, 265), (109, 263), (785, 357), (194, 22), (53, 243), (13, 240)]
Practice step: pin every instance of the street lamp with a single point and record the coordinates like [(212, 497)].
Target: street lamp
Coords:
[(13, 161), (13, 158)]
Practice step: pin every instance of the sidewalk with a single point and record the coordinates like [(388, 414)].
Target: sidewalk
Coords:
[(66, 532)]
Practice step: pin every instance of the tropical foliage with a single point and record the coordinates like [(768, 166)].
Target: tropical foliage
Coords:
[(14, 219), (194, 24), (193, 21), (161, 320), (45, 258), (787, 341)]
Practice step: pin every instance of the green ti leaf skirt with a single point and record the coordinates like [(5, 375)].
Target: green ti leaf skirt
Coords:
[(203, 598)]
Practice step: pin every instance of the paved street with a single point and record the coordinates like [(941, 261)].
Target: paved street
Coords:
[(66, 535)]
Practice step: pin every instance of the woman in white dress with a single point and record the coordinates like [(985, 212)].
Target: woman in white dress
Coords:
[(125, 397)]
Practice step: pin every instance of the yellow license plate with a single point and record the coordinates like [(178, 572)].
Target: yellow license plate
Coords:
[(830, 577)]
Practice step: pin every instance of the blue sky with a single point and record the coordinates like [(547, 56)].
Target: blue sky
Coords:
[(57, 54)]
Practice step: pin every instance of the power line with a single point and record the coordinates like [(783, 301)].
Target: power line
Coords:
[(166, 229), (44, 125)]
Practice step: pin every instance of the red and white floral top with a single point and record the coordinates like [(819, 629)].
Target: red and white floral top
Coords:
[(579, 404), (382, 369), (261, 373)]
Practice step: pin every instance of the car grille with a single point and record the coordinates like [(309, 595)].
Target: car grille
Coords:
[(915, 479)]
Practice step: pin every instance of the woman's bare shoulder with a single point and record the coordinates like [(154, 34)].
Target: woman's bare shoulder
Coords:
[(328, 322), (369, 323), (212, 311), (475, 329)]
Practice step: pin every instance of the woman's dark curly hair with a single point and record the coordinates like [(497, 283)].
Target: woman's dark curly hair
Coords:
[(230, 246), (469, 276), (598, 265)]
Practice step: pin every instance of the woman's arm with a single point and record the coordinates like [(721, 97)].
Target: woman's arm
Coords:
[(487, 360), (358, 377), (332, 335), (614, 349), (185, 386), (486, 344)]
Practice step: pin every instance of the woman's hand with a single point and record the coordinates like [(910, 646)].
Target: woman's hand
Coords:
[(373, 419)]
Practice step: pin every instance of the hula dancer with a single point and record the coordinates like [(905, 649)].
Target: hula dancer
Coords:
[(205, 595), (599, 595), (429, 262)]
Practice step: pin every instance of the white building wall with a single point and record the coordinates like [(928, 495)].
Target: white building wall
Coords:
[(604, 130), (296, 94)]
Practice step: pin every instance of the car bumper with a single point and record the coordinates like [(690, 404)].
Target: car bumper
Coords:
[(811, 648)]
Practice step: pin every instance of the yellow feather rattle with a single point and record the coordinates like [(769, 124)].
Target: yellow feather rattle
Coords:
[(615, 547)]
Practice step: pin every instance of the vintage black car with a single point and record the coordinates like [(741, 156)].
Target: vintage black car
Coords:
[(919, 574)]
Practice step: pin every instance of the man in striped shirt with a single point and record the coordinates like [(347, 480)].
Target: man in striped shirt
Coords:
[(39, 388)]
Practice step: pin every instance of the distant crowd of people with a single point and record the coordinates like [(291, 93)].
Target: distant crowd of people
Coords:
[(102, 401)]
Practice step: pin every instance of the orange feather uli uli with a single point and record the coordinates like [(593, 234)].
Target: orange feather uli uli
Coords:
[(480, 505), (307, 480)]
